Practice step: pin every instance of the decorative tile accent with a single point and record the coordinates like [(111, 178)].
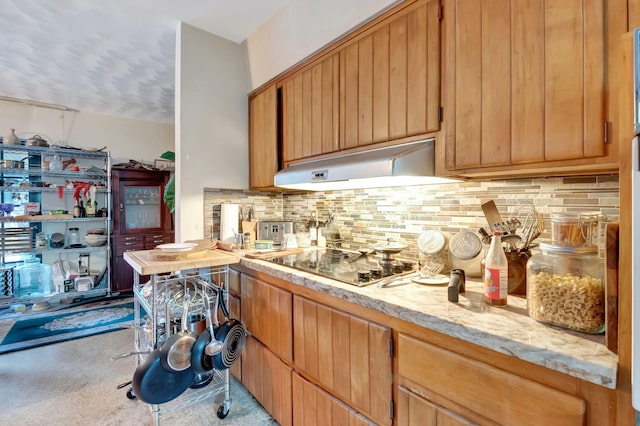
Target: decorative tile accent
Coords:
[(400, 214)]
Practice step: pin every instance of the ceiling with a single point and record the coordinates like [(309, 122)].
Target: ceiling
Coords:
[(110, 57)]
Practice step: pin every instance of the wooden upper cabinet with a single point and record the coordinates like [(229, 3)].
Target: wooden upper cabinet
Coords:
[(310, 111), (525, 82), (390, 78), (263, 138)]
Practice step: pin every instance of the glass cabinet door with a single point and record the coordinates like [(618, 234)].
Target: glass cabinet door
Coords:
[(142, 206)]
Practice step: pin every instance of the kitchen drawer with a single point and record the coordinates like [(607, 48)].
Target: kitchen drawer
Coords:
[(128, 243), (494, 394), (153, 240)]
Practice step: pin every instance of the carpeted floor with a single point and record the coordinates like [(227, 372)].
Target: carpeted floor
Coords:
[(74, 383)]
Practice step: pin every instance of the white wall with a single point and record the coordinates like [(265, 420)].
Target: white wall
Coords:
[(125, 138), (300, 28), (211, 123)]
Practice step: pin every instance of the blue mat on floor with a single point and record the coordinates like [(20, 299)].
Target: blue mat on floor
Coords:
[(52, 327)]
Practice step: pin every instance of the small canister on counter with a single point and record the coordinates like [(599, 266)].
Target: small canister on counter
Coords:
[(467, 252), (434, 249), (565, 287), (246, 241)]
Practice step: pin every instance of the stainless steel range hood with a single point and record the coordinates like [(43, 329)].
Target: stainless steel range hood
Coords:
[(408, 164)]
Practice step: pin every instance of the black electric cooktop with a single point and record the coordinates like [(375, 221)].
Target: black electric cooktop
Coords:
[(348, 266)]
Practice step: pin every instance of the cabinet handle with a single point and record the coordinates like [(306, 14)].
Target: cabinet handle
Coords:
[(133, 243), (158, 241), (157, 236), (121, 207), (129, 238)]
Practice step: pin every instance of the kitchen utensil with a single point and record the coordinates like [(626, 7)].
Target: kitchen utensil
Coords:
[(201, 361), (36, 140), (56, 240), (511, 240), (176, 351), (13, 164), (431, 269), (153, 384), (387, 250), (395, 278), (494, 218), (274, 253), (214, 346), (232, 334)]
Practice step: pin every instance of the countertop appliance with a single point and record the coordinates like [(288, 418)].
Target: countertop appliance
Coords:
[(635, 184), (274, 230), (348, 266)]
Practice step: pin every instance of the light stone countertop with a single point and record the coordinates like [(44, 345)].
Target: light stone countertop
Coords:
[(506, 330)]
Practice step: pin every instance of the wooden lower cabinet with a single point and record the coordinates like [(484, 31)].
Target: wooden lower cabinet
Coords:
[(479, 391), (313, 406), (268, 379), (347, 355), (415, 410), (266, 313)]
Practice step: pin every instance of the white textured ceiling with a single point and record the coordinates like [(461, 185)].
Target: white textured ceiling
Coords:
[(111, 57)]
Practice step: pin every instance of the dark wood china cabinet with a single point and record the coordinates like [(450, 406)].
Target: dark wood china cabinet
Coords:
[(141, 219)]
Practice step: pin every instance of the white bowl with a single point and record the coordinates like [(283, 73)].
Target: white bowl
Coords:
[(96, 240)]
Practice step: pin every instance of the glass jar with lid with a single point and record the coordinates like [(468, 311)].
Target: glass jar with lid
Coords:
[(467, 251), (565, 287), (575, 228), (434, 249)]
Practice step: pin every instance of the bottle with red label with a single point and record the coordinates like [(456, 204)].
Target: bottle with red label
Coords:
[(496, 273)]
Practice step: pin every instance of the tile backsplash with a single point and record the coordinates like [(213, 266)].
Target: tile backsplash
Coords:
[(368, 216)]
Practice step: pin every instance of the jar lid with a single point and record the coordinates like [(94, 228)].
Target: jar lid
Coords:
[(431, 242), (569, 249), (574, 216), (465, 245)]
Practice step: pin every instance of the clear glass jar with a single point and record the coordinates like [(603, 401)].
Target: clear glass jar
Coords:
[(575, 229), (434, 249), (467, 251), (565, 287), (74, 237)]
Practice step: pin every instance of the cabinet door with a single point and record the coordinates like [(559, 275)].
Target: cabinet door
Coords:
[(139, 206), (121, 271), (263, 138), (347, 355), (487, 391), (313, 406), (413, 410), (268, 379), (527, 82), (390, 78), (310, 111), (266, 313)]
